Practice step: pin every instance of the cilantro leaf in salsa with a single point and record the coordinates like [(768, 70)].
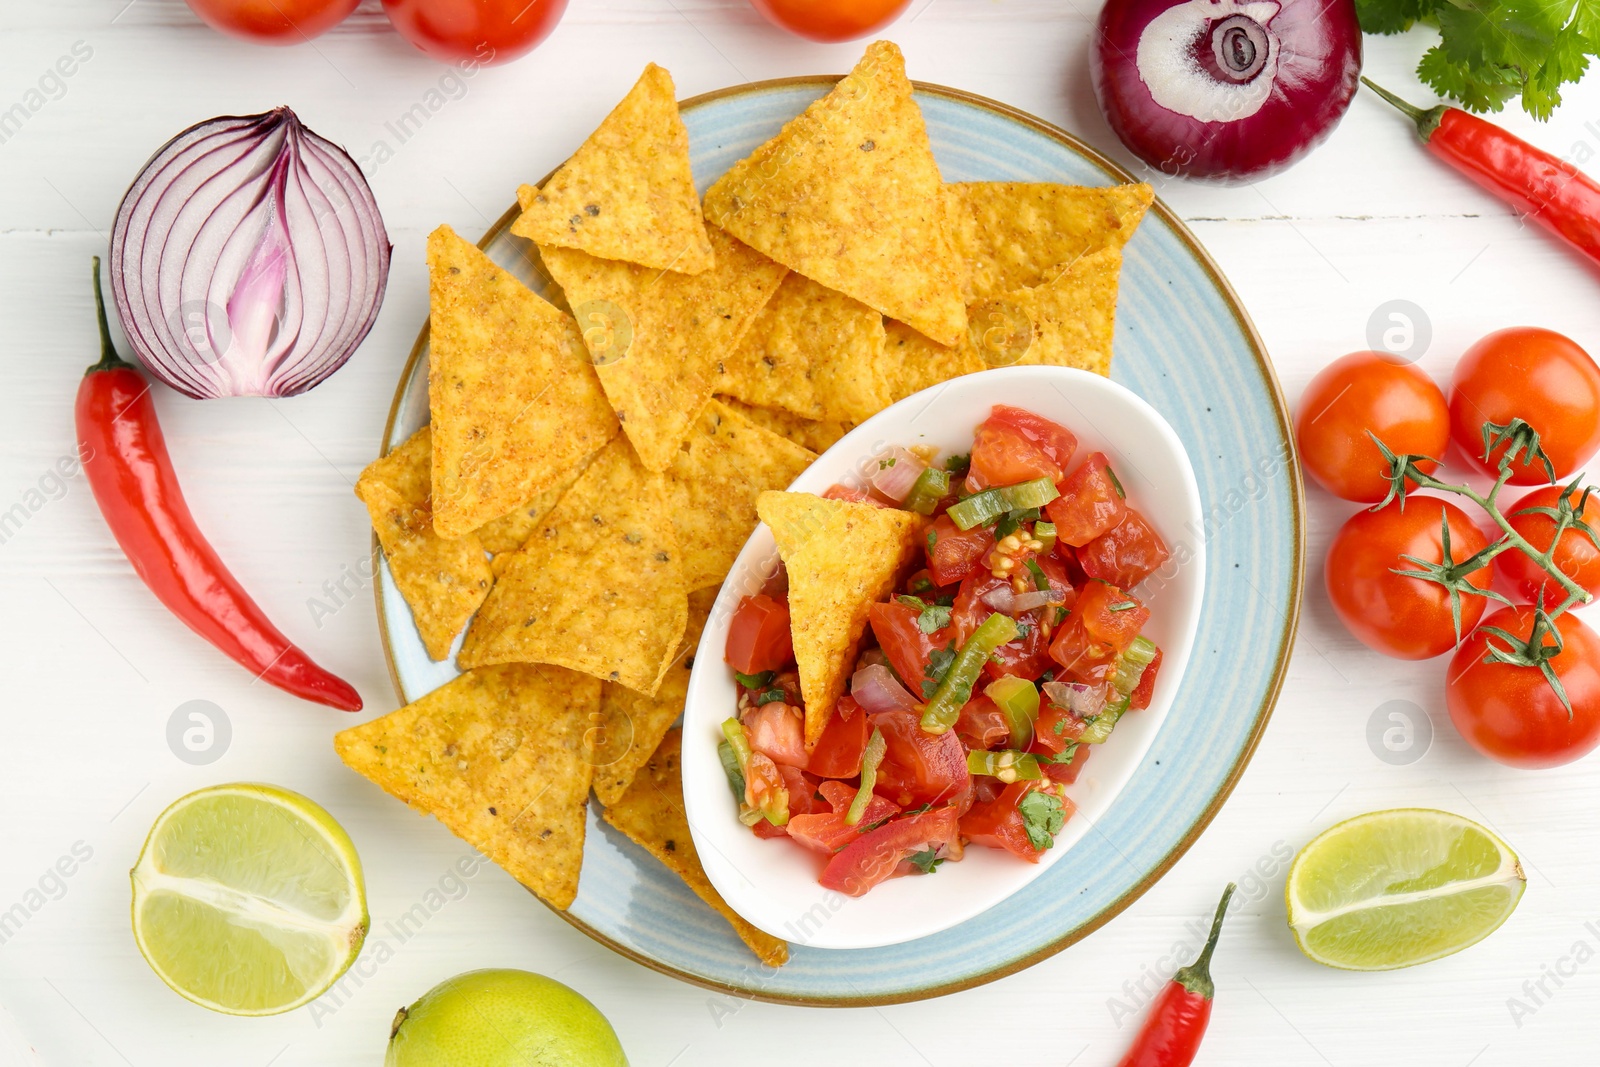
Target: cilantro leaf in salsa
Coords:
[(927, 861), (754, 681), (930, 617), (939, 661), (768, 696), (1066, 754), (1042, 817), (958, 464)]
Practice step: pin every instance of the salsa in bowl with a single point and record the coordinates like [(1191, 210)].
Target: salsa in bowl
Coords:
[(933, 631)]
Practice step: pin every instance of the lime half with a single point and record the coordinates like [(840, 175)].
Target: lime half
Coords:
[(248, 899), (1396, 888)]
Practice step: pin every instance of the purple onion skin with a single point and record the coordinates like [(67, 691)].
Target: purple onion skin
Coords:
[(1253, 110)]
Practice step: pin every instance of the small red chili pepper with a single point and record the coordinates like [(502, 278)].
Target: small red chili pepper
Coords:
[(1171, 1035), (125, 458), (1544, 189)]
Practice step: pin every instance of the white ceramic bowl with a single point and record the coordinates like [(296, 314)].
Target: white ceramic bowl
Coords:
[(773, 883)]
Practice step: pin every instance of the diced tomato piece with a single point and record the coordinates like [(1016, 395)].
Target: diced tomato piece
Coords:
[(839, 749), (1055, 729), (1090, 503), (826, 831), (1027, 656), (804, 797), (1104, 621), (1013, 445), (846, 707), (982, 724), (1067, 773), (876, 856), (895, 626), (1125, 555), (999, 824), (1140, 697), (954, 554), (1052, 438), (918, 767), (766, 831), (758, 636), (777, 731), (762, 782)]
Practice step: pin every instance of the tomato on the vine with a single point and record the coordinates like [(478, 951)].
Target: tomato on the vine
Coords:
[(831, 20), (1576, 555), (273, 21), (1362, 392), (484, 32), (1537, 376), (1510, 713), (1400, 616)]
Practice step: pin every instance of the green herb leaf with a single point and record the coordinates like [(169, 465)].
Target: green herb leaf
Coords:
[(933, 538), (754, 681), (927, 861), (1042, 817), (1123, 605), (1066, 754), (939, 661), (958, 464), (919, 811), (922, 584), (1041, 581), (768, 697), (1116, 482)]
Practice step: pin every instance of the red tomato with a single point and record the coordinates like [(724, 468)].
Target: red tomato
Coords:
[(982, 724), (1067, 773), (902, 640), (1510, 713), (831, 20), (999, 824), (485, 31), (762, 781), (839, 749), (827, 832), (777, 731), (1366, 391), (1139, 699), (803, 795), (918, 768), (758, 636), (1576, 556), (1407, 618), (1126, 554), (1055, 728), (1027, 656), (953, 554), (1053, 439), (1091, 502), (1104, 621), (273, 21), (1001, 455), (877, 855), (1536, 375)]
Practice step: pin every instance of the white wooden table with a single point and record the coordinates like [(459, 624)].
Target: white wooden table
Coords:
[(94, 667)]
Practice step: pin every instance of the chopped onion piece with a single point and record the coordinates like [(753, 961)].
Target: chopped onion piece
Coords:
[(1003, 600), (1084, 701), (896, 472), (875, 689)]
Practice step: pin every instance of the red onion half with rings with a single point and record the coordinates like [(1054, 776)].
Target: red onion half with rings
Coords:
[(1227, 90), (248, 258)]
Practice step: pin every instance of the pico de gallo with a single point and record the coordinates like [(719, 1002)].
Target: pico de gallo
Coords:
[(982, 684)]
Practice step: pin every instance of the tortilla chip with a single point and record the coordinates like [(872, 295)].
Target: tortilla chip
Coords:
[(497, 755), (812, 351), (1017, 235), (1067, 322), (651, 814), (656, 336), (808, 434), (515, 404), (598, 588), (912, 363), (631, 724), (724, 464), (842, 557), (511, 531), (849, 195), (627, 192), (443, 581)]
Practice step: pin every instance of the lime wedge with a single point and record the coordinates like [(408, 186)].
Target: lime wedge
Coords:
[(248, 899), (1402, 887)]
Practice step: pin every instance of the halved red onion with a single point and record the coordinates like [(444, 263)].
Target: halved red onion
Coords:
[(897, 471), (248, 258), (1003, 600), (1082, 700), (875, 689)]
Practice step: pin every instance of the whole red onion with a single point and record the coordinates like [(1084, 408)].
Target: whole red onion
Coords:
[(1228, 90)]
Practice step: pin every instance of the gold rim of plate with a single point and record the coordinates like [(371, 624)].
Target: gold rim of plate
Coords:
[(1290, 623)]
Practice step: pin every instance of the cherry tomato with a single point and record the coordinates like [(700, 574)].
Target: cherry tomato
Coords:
[(918, 767), (1126, 554), (954, 554), (273, 21), (1361, 392), (1576, 556), (1091, 502), (877, 855), (1536, 375), (1510, 713), (758, 636), (485, 32), (831, 20), (1407, 618)]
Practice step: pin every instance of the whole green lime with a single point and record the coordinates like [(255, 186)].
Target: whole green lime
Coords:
[(501, 1018)]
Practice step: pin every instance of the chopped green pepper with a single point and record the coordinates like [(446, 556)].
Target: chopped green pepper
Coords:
[(870, 759), (730, 767), (1007, 765), (955, 689), (1018, 701), (1131, 664), (930, 487), (1045, 534), (777, 810), (1098, 727), (990, 504)]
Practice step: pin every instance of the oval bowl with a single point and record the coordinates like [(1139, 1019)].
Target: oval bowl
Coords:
[(773, 883)]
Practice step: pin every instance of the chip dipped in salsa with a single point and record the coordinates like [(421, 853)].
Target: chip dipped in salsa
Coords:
[(1006, 649)]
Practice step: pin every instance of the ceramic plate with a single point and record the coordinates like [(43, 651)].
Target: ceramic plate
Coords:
[(1185, 345)]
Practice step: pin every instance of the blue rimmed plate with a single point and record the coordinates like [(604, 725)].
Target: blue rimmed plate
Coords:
[(1185, 345)]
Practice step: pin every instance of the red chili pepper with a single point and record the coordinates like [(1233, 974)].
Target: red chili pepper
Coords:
[(1171, 1035), (1547, 190), (125, 457)]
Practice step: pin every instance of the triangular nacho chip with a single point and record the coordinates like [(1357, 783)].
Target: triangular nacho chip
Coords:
[(849, 195), (812, 351), (656, 336), (652, 815), (725, 463), (627, 192), (1066, 322), (812, 435), (514, 402), (632, 724), (598, 588), (912, 363), (1017, 235), (498, 755), (442, 580), (511, 531), (842, 557)]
